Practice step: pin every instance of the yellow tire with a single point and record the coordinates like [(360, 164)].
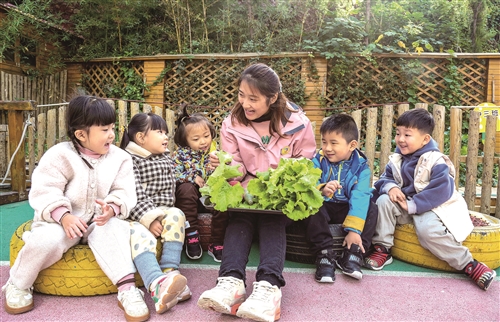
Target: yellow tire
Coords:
[(75, 274), (483, 243)]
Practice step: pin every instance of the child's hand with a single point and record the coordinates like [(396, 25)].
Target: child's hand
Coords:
[(199, 181), (156, 228), (396, 195), (73, 226), (331, 187), (403, 204), (353, 238), (214, 160), (107, 213)]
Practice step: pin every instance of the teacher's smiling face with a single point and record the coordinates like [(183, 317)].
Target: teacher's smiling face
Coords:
[(253, 102)]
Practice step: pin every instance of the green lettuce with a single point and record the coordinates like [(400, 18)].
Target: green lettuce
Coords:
[(291, 188), (221, 193)]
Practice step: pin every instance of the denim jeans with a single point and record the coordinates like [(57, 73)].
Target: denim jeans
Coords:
[(318, 232), (272, 246)]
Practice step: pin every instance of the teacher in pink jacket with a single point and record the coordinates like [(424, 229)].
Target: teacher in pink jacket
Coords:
[(263, 128)]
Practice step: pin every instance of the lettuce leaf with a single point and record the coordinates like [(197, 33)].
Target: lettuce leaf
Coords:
[(221, 193), (291, 188)]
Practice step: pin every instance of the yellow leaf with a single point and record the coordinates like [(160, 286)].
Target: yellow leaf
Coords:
[(401, 44), (379, 38), (419, 50)]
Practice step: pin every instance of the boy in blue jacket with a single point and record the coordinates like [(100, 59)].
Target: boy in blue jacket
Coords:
[(345, 185), (418, 186)]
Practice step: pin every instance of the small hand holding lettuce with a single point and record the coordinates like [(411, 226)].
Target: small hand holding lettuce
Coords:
[(290, 188), (221, 193)]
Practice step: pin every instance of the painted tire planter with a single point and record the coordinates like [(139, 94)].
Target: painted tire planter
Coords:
[(299, 250), (483, 243), (75, 274)]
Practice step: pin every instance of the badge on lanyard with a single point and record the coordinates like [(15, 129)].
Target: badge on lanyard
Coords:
[(285, 150)]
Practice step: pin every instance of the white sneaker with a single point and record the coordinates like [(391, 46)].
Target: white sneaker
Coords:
[(132, 302), (185, 294), (16, 300), (264, 304), (225, 297), (165, 294)]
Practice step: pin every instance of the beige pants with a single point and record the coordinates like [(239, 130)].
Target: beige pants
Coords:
[(431, 232), (47, 242)]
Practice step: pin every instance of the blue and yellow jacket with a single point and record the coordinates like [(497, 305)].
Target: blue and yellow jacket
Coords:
[(354, 176)]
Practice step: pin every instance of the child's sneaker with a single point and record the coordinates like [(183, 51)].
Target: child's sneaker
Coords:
[(325, 267), (193, 246), (350, 262), (380, 257), (185, 294), (480, 273), (167, 290), (225, 297), (215, 250), (16, 300), (132, 302), (264, 304)]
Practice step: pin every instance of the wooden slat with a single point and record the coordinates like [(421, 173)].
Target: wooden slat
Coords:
[(386, 134), (122, 119), (51, 128), (489, 150), (371, 137), (456, 141), (472, 150), (439, 119)]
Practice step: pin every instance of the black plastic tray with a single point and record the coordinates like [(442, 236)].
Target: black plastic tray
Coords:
[(259, 211)]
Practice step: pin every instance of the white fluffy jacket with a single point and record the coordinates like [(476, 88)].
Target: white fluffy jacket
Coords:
[(63, 179)]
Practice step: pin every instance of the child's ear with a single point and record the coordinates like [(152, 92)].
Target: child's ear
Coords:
[(139, 138), (353, 145), (427, 139), (81, 135), (274, 98)]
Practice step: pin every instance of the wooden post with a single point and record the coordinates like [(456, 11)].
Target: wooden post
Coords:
[(15, 112), (456, 141), (489, 154), (472, 149), (371, 137), (386, 134), (315, 89), (439, 118), (152, 70)]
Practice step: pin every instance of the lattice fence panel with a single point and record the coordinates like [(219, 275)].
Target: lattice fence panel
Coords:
[(210, 87), (100, 77), (384, 81)]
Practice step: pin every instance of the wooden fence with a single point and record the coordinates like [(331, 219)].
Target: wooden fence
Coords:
[(376, 140)]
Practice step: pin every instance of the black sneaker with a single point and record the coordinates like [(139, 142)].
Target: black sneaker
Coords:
[(215, 250), (193, 246), (351, 261), (325, 267), (480, 273)]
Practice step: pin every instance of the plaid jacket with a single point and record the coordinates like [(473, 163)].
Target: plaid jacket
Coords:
[(154, 182)]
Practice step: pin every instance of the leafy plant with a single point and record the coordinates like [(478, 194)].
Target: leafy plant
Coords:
[(291, 188), (221, 193)]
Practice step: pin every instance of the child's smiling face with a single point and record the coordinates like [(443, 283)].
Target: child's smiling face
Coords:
[(198, 136), (335, 147), (155, 141), (410, 140), (98, 138)]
